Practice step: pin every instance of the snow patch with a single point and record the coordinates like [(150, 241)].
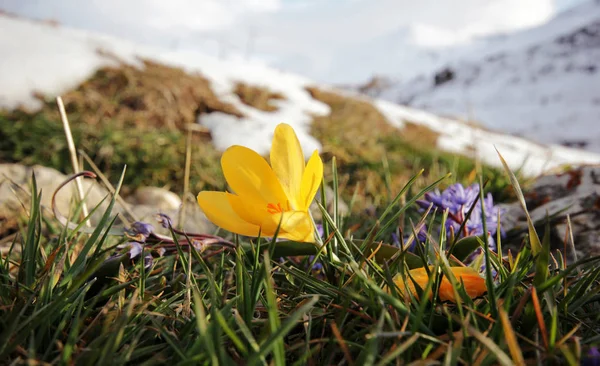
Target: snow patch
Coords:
[(458, 137), (38, 57)]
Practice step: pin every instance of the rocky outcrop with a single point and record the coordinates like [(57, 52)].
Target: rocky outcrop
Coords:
[(574, 194)]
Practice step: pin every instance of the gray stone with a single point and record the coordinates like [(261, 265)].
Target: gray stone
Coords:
[(145, 203), (16, 188), (156, 197), (575, 193)]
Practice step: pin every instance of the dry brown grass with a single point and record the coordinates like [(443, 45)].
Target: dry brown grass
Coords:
[(258, 97), (121, 116), (153, 96), (375, 159), (358, 128), (353, 128), (419, 134), (353, 132)]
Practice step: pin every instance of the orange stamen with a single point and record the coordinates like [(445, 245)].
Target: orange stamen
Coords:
[(272, 209)]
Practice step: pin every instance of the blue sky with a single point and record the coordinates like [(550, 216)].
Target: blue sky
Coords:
[(304, 36)]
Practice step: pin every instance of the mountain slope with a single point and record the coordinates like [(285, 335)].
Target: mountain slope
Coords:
[(48, 60), (543, 83)]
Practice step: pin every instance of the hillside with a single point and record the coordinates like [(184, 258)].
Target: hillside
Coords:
[(542, 83), (47, 60)]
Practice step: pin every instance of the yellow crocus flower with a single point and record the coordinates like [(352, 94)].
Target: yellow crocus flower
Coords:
[(473, 282), (267, 195)]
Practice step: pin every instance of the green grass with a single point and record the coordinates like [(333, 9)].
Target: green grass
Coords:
[(69, 297), (369, 169), (375, 158), (155, 156), (74, 298)]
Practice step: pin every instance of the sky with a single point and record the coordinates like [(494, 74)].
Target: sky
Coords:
[(321, 39)]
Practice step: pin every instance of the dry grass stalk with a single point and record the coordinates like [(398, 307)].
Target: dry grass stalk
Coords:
[(73, 156)]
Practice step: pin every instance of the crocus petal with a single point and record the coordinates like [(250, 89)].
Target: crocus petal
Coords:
[(254, 213), (311, 180), (251, 177), (287, 161), (419, 276), (473, 283), (295, 225), (217, 209)]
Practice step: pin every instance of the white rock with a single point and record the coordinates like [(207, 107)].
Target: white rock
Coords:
[(159, 198)]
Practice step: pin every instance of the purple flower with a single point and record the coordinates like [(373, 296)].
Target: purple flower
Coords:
[(458, 200), (421, 238), (320, 230), (592, 358), (135, 250), (317, 268), (453, 198), (139, 231), (164, 220)]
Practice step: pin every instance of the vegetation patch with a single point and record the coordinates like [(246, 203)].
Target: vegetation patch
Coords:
[(153, 96), (124, 115), (375, 158), (106, 294), (258, 97), (76, 298), (154, 156)]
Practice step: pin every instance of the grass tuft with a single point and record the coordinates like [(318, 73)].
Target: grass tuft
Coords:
[(71, 297), (243, 306)]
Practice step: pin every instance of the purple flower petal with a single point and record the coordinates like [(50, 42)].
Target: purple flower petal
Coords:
[(164, 220)]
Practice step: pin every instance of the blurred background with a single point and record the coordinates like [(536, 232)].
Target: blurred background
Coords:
[(386, 86), (334, 41), (524, 67)]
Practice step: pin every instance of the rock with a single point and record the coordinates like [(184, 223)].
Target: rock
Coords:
[(194, 220), (575, 193), (156, 197), (14, 198), (145, 203)]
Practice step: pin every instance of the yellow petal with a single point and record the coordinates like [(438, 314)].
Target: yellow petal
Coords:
[(311, 180), (419, 275), (287, 161), (254, 213), (295, 225), (217, 209), (251, 177)]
